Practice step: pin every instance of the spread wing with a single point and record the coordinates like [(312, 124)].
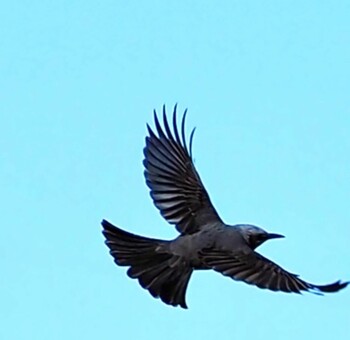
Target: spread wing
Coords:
[(176, 188), (257, 270)]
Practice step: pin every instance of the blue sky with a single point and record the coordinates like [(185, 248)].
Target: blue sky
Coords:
[(266, 85)]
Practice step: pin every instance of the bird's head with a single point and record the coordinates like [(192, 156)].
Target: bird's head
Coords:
[(255, 236)]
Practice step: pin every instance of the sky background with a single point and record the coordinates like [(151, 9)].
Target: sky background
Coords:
[(267, 86)]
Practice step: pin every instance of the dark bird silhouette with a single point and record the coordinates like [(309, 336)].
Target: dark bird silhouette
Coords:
[(163, 267)]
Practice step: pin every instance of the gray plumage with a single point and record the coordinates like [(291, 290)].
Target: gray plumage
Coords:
[(163, 267)]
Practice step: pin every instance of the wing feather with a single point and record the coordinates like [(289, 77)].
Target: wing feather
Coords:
[(255, 269), (175, 186)]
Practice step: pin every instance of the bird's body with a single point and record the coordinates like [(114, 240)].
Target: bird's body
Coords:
[(218, 236), (205, 241)]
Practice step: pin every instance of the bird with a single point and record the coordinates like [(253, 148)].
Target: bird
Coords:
[(164, 267)]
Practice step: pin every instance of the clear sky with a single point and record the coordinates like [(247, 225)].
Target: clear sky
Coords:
[(267, 86)]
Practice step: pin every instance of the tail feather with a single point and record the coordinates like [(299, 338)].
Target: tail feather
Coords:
[(162, 273), (174, 288)]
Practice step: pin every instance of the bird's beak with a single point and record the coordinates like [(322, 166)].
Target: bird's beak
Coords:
[(270, 236)]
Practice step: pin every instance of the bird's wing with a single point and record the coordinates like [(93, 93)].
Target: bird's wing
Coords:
[(257, 270), (175, 185)]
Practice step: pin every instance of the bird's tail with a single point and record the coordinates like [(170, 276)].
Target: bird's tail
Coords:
[(162, 273)]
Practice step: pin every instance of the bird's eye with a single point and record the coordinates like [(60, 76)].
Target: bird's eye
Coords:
[(253, 240)]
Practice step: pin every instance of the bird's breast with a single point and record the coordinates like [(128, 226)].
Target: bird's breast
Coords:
[(189, 246)]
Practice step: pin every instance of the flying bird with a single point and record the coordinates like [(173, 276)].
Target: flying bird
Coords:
[(164, 267)]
